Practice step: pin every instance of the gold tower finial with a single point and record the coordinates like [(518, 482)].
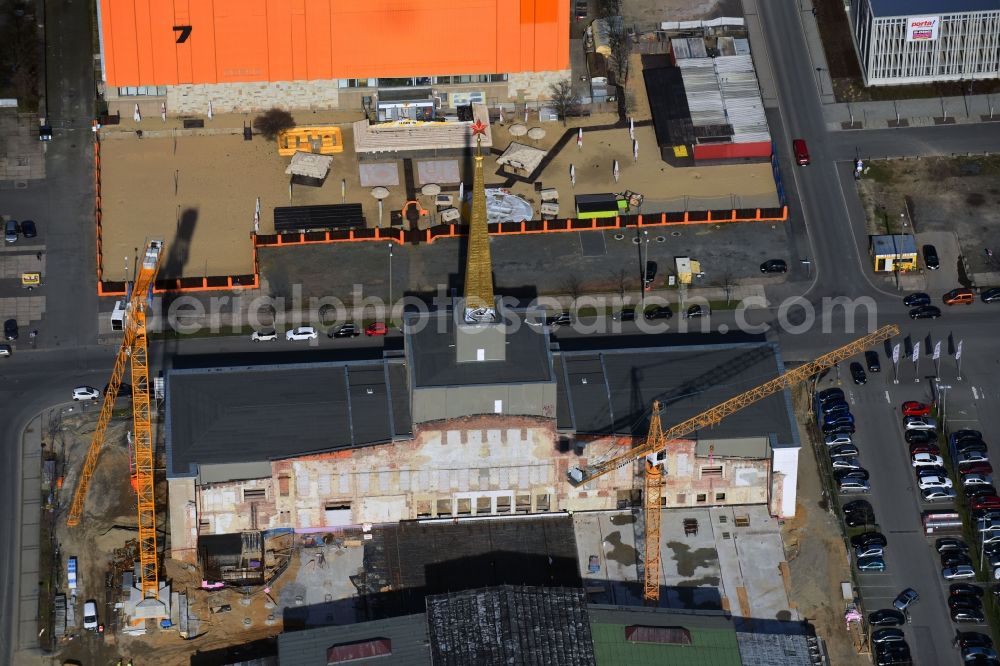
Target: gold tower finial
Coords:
[(480, 305)]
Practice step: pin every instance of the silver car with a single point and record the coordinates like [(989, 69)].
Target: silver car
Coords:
[(11, 231)]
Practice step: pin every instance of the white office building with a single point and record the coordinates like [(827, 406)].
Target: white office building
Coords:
[(918, 41)]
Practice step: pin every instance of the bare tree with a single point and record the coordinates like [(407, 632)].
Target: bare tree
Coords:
[(573, 286), (273, 121), (621, 280), (565, 101), (609, 8), (620, 44), (727, 281)]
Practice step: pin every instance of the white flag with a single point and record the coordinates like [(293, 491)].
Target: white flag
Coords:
[(895, 353), (916, 352), (256, 217), (937, 350), (209, 109), (631, 129), (958, 352)]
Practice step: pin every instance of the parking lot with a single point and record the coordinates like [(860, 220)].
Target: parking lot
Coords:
[(910, 557)]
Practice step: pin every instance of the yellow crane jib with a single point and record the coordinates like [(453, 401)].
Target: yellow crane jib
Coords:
[(133, 352), (580, 475)]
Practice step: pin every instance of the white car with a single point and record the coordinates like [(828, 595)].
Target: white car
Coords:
[(848, 462), (854, 486), (937, 494), (90, 615), (302, 333), (264, 335), (927, 460), (838, 439), (86, 393), (920, 423), (933, 482), (976, 480), (958, 573)]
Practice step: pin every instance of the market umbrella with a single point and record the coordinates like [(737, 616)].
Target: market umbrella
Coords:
[(536, 133), (136, 116), (209, 109), (635, 150), (631, 129), (525, 114), (615, 171), (572, 175), (579, 138), (256, 217), (518, 130), (461, 191), (163, 112), (500, 110)]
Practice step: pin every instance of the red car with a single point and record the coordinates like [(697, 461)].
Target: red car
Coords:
[(914, 408), (983, 468), (924, 447), (377, 328), (985, 502)]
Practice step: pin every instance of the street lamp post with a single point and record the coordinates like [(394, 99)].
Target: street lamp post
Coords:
[(390, 282), (645, 264)]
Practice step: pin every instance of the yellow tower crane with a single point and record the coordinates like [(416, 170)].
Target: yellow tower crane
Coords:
[(657, 440), (133, 352)]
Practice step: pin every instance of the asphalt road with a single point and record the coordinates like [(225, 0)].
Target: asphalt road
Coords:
[(826, 229)]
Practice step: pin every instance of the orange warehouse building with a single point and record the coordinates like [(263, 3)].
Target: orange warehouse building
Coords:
[(244, 55)]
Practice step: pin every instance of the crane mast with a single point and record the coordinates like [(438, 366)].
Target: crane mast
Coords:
[(132, 353)]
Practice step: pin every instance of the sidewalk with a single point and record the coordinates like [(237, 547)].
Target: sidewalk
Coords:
[(26, 600)]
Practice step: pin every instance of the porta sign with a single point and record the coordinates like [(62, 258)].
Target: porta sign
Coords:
[(922, 28)]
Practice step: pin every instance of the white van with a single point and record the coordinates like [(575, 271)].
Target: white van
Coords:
[(118, 316), (90, 615)]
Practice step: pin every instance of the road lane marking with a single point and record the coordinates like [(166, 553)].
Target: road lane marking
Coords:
[(887, 398), (975, 393)]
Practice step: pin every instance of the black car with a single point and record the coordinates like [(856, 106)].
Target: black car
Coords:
[(627, 314), (835, 407), (950, 543), (659, 312), (971, 615), (344, 331), (979, 490), (970, 445), (650, 274), (695, 311), (965, 589), (829, 395), (858, 374), (844, 450), (931, 258), (888, 635), (124, 389), (774, 266), (920, 436), (871, 360), (917, 299), (28, 229), (10, 329), (847, 429), (857, 505), (991, 295), (973, 639), (886, 617), (965, 433), (561, 319), (860, 517), (869, 539), (925, 312), (887, 654), (964, 601), (842, 474), (954, 559)]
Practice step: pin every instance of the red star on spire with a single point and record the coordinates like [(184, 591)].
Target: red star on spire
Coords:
[(479, 128)]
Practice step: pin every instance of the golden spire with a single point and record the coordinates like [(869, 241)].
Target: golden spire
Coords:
[(480, 305)]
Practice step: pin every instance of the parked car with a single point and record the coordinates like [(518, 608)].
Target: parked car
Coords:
[(914, 408), (958, 573), (873, 563), (924, 448), (625, 314), (869, 551), (301, 333), (886, 617), (931, 258), (959, 296), (977, 490), (917, 299), (950, 543), (344, 331), (377, 329), (905, 599), (264, 335), (695, 311), (869, 539), (843, 474), (985, 502), (970, 457), (28, 229), (649, 274), (933, 482), (976, 480), (968, 615), (922, 472), (887, 635), (658, 312), (846, 462), (10, 329), (774, 266), (991, 295), (927, 459), (965, 433), (844, 429), (561, 319), (914, 436), (970, 445), (952, 559), (888, 654), (938, 494), (967, 639), (6, 350), (843, 450), (858, 513), (919, 423), (871, 360), (858, 374), (11, 231), (980, 656), (830, 394), (835, 407), (965, 601), (90, 615), (801, 152), (853, 486), (838, 419), (85, 393), (965, 589), (837, 439), (925, 312)]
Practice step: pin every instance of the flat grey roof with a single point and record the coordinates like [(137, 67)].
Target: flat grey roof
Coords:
[(612, 391), (431, 350), (407, 633), (883, 8), (227, 415)]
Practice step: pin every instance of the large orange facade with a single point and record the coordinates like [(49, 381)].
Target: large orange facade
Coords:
[(145, 42)]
